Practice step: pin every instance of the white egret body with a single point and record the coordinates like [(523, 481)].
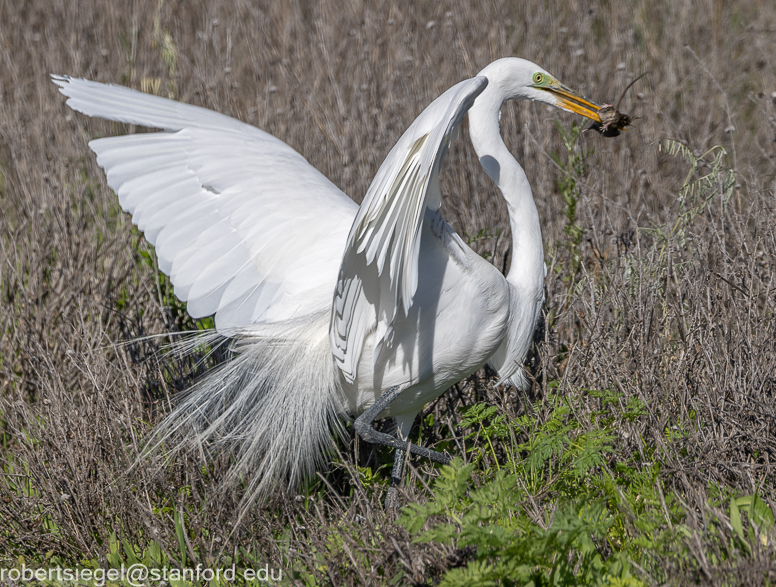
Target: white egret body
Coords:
[(331, 305)]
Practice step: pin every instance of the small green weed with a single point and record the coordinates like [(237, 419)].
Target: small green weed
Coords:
[(573, 167)]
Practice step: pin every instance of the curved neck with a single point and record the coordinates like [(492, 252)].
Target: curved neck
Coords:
[(527, 266)]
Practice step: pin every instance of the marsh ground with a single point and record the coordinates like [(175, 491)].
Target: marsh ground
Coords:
[(659, 298)]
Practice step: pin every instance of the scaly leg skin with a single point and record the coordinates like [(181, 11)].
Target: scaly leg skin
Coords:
[(391, 499), (364, 428)]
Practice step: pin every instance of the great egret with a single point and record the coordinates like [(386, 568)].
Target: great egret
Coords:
[(333, 309)]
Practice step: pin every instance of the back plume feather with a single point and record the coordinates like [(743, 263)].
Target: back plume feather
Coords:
[(282, 369)]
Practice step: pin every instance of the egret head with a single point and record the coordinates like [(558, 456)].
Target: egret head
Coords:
[(513, 78)]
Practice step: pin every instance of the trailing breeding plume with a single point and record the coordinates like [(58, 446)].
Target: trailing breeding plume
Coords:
[(333, 309)]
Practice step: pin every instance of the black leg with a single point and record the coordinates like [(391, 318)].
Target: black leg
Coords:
[(396, 474), (364, 428)]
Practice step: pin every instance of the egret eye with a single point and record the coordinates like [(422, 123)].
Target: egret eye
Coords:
[(538, 78)]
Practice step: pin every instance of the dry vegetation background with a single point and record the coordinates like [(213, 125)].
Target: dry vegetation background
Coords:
[(685, 322)]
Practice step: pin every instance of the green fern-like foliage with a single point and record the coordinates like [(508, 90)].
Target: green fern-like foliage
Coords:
[(554, 511)]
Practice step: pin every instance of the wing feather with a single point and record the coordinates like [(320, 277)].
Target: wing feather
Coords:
[(378, 275), (246, 228)]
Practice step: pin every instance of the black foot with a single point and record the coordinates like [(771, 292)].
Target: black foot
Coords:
[(364, 428)]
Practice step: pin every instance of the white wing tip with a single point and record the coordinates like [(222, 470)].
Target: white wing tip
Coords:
[(61, 80), (71, 87)]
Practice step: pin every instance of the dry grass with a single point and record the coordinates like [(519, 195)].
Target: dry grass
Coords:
[(686, 324)]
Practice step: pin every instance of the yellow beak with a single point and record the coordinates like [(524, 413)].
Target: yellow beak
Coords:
[(571, 101)]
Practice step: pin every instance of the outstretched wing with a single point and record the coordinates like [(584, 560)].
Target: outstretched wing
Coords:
[(379, 271), (244, 226)]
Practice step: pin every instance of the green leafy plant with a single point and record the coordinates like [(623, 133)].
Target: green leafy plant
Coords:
[(573, 167), (556, 510), (760, 517)]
